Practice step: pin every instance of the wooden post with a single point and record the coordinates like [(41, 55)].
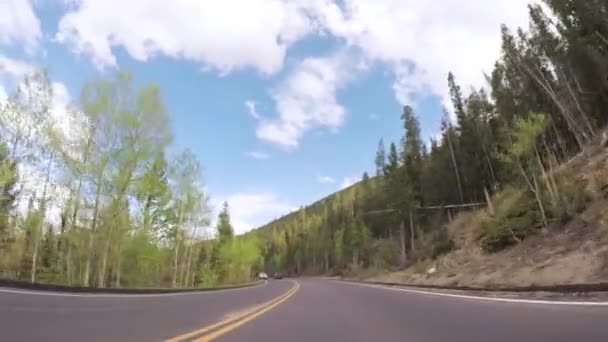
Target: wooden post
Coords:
[(489, 200)]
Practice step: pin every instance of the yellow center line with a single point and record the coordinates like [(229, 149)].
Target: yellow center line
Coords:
[(215, 334), (243, 315)]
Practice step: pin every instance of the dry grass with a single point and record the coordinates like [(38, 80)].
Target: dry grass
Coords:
[(563, 253)]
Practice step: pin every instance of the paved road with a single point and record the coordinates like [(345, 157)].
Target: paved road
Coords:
[(322, 310), (92, 318)]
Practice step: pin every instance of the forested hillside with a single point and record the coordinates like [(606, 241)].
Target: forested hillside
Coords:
[(545, 100), (90, 195)]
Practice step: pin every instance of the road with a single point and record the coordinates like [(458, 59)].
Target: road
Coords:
[(302, 311)]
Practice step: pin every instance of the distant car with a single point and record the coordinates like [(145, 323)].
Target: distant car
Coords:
[(278, 275), (262, 275)]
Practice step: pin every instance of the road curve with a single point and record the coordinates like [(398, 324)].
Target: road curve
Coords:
[(49, 316), (316, 310), (325, 310)]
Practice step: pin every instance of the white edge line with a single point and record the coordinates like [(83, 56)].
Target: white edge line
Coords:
[(492, 299), (118, 295)]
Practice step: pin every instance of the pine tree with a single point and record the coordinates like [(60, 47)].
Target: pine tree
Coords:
[(380, 158), (411, 155), (8, 196), (224, 227)]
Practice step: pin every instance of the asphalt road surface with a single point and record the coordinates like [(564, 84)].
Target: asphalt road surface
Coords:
[(302, 311)]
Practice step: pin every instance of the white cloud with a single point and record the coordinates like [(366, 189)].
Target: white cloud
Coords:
[(258, 155), (325, 179), (348, 181), (19, 24), (420, 41), (14, 70), (249, 210), (435, 36), (306, 99), (224, 35), (251, 108)]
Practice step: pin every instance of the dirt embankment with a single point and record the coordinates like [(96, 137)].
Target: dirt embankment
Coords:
[(573, 251)]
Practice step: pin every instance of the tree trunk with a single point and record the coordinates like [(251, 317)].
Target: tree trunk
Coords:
[(42, 214), (68, 265), (576, 130), (412, 234), (35, 259), (584, 115), (101, 279), (560, 139), (186, 268), (545, 176), (118, 269), (87, 270), (539, 200), (402, 238), (525, 175), (85, 160), (491, 168), (455, 164), (489, 201), (175, 262)]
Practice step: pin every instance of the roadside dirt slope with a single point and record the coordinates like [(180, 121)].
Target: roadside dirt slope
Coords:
[(563, 253)]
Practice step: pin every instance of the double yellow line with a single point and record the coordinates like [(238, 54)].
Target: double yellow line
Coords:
[(218, 329)]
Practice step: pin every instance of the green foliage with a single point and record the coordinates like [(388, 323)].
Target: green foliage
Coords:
[(338, 251), (142, 259), (386, 254), (224, 227), (208, 277), (525, 134), (517, 217), (8, 195), (239, 256)]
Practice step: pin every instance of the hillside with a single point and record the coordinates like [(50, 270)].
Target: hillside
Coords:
[(568, 251), (526, 149)]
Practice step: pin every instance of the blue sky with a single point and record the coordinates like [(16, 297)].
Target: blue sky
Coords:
[(282, 101)]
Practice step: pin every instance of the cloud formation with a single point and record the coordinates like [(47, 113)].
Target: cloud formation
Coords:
[(423, 40), (19, 24), (250, 210), (306, 99), (222, 35), (252, 110), (420, 41), (325, 180), (258, 155)]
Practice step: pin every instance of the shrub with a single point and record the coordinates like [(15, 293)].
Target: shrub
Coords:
[(386, 254), (433, 244), (573, 199), (517, 216)]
